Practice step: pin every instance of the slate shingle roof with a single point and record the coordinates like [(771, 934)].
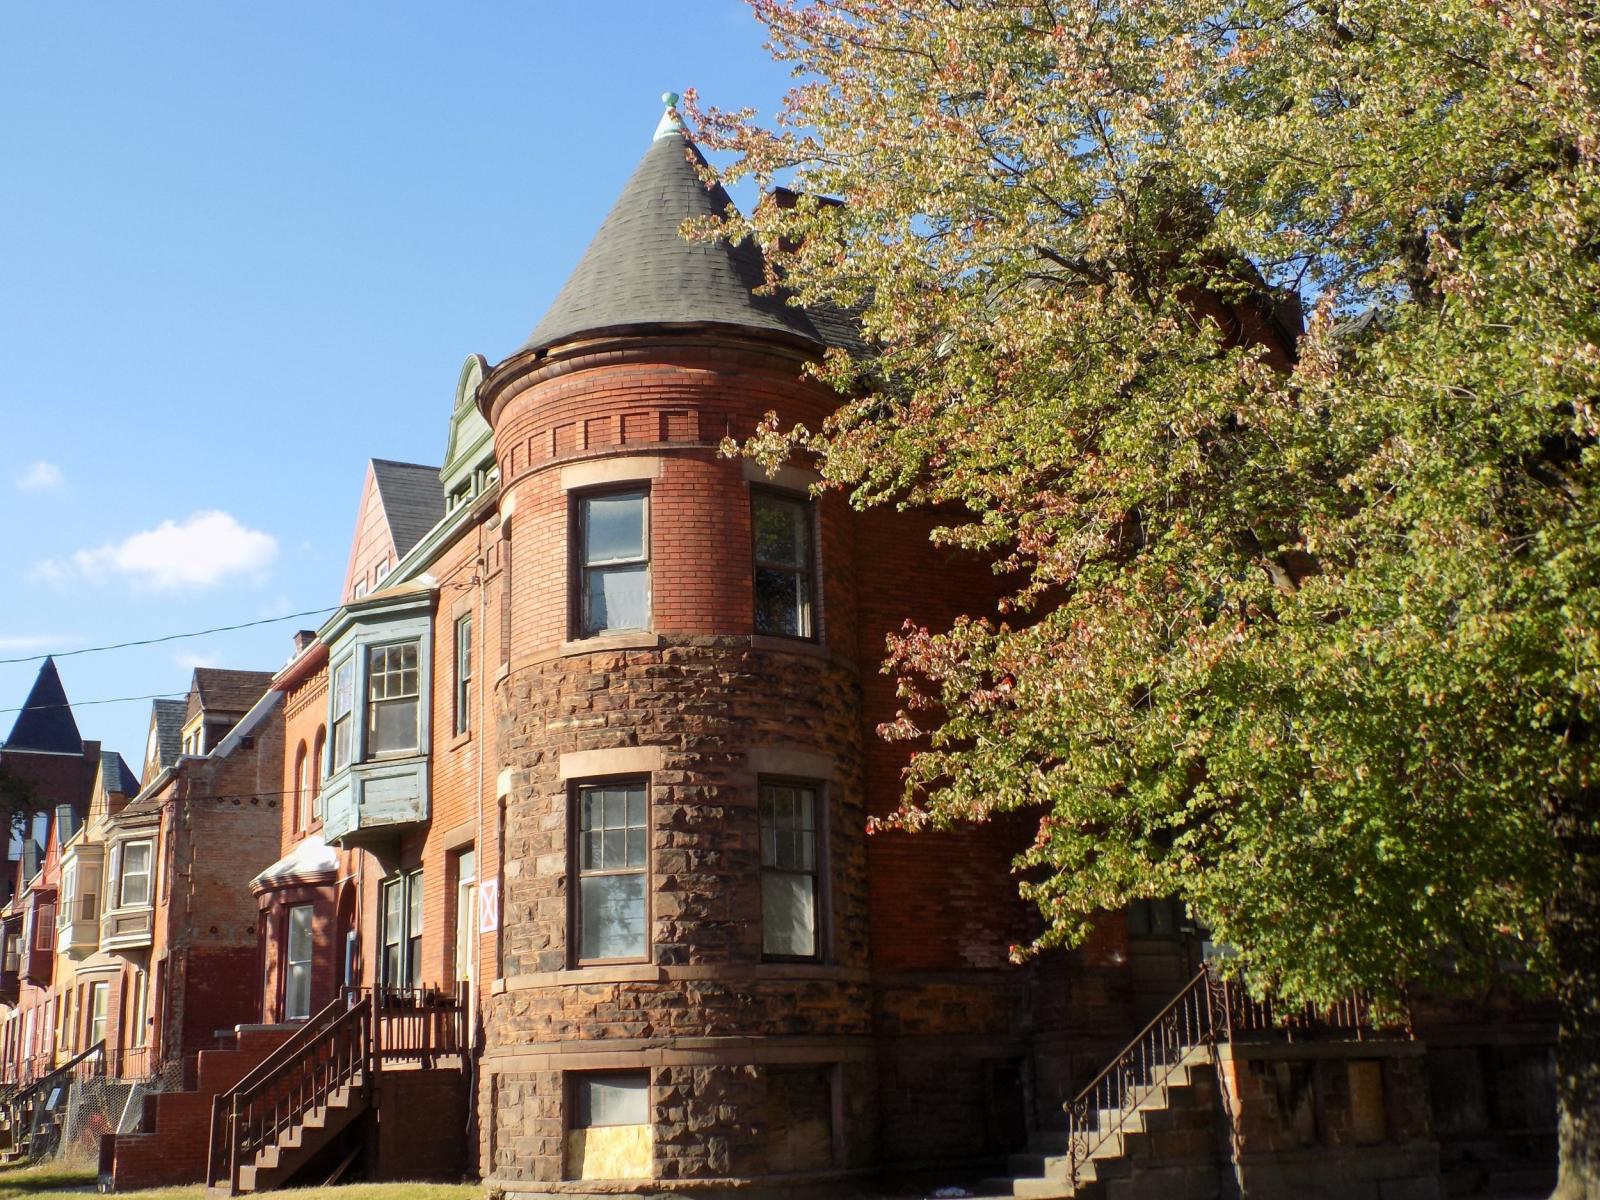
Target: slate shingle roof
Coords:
[(45, 722), (413, 500), (168, 716), (223, 691), (640, 272), (118, 775)]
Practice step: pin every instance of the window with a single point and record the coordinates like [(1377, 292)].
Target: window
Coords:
[(614, 557), (97, 1012), (782, 531), (317, 768), (381, 571), (464, 674), (302, 786), (344, 699), (69, 889), (44, 927), (402, 931), (609, 1128), (361, 589), (392, 698), (13, 960), (466, 948), (297, 971), (141, 1007), (612, 844), (788, 870), (135, 874)]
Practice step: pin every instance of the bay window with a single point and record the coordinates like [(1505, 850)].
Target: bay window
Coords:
[(344, 696), (392, 695), (134, 888)]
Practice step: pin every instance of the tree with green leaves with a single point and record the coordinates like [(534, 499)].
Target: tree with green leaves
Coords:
[(1305, 631)]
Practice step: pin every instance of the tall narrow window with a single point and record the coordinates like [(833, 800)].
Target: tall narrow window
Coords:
[(97, 1012), (788, 870), (344, 700), (782, 527), (135, 875), (612, 845), (317, 768), (466, 948), (297, 971), (392, 698), (464, 674), (138, 1035), (614, 551), (402, 931), (302, 787)]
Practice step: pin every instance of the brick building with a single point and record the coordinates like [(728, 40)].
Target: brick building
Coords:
[(569, 885)]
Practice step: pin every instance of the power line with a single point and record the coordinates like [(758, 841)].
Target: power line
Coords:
[(82, 703), (171, 637)]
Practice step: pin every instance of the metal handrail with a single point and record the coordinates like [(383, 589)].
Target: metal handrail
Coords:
[(1144, 1064)]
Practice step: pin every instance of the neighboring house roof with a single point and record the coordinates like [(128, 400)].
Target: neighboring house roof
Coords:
[(412, 498), (312, 861), (118, 776), (217, 690), (168, 716), (639, 271), (45, 722)]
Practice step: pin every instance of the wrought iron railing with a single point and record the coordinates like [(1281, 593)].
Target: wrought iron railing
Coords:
[(1102, 1109), (1207, 1010)]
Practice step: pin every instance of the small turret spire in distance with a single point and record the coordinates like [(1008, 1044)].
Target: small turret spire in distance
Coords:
[(670, 122)]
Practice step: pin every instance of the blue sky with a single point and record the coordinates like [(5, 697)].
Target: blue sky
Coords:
[(243, 249)]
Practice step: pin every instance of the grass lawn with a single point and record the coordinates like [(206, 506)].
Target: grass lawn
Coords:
[(76, 1181)]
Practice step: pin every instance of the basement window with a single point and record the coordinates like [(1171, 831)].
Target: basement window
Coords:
[(609, 1134)]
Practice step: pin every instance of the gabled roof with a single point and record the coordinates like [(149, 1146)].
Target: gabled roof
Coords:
[(217, 690), (166, 718), (45, 722), (640, 272), (412, 498)]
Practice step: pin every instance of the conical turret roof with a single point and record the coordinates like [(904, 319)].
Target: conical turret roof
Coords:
[(639, 272), (45, 722)]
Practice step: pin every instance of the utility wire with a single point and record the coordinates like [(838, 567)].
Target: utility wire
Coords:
[(171, 637), (82, 703)]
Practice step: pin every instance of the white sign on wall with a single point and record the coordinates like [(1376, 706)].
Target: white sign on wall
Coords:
[(488, 906)]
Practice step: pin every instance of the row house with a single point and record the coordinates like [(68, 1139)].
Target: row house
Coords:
[(545, 858)]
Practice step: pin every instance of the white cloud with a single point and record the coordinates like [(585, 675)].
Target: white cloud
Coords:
[(198, 552), (190, 661), (40, 476), (36, 641)]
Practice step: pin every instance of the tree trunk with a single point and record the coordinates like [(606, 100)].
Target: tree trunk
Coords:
[(1575, 933)]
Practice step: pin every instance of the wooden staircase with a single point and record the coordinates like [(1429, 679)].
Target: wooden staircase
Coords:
[(321, 1081), (303, 1094)]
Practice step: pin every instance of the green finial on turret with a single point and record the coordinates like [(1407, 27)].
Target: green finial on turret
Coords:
[(670, 122)]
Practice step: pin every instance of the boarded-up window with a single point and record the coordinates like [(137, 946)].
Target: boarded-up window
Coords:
[(609, 1125), (799, 1118)]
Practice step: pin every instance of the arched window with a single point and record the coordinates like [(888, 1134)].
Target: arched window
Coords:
[(302, 787), (316, 773)]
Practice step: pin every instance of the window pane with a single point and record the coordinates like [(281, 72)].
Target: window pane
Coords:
[(612, 908), (613, 528), (136, 858), (341, 743), (783, 606), (612, 1099), (394, 726), (344, 681), (616, 598), (782, 530), (300, 933), (788, 914)]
